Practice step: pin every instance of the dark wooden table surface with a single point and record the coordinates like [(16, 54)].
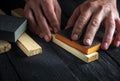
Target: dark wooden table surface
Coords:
[(56, 64)]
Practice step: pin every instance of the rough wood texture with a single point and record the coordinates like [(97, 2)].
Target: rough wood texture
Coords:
[(1, 12), (28, 45), (4, 46), (86, 58)]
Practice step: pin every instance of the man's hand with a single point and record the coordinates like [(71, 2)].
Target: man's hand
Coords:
[(44, 17), (95, 12)]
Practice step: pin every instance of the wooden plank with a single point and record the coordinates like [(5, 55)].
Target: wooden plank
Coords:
[(86, 58), (4, 46), (28, 45), (1, 12), (84, 49)]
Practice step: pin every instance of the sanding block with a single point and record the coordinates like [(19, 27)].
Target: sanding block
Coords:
[(86, 58), (65, 36), (11, 28)]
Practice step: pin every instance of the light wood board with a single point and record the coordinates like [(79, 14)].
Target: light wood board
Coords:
[(4, 46), (1, 12), (28, 45), (86, 58)]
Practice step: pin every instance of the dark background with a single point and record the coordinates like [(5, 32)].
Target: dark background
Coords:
[(8, 5)]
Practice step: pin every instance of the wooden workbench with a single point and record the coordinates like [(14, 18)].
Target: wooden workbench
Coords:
[(55, 64)]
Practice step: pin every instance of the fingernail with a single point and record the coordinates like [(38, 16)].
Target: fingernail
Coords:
[(47, 38), (87, 42), (75, 37), (118, 44), (105, 46)]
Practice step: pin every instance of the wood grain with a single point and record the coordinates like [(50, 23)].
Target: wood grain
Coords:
[(28, 45), (4, 46), (1, 12)]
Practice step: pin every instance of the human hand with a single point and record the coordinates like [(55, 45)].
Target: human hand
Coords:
[(44, 17), (95, 12)]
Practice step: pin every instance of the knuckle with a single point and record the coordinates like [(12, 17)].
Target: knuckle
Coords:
[(107, 9), (46, 2), (111, 25), (79, 28), (101, 7), (82, 19), (95, 22)]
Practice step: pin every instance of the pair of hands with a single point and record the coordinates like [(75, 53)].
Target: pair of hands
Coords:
[(44, 17)]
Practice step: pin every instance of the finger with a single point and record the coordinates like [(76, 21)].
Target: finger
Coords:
[(42, 23), (80, 24), (73, 18), (31, 20), (58, 11), (109, 32), (49, 12), (93, 27), (117, 36)]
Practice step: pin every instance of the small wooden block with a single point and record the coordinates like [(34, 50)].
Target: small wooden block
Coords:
[(86, 58), (65, 36), (1, 12), (4, 46), (19, 12), (28, 45)]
